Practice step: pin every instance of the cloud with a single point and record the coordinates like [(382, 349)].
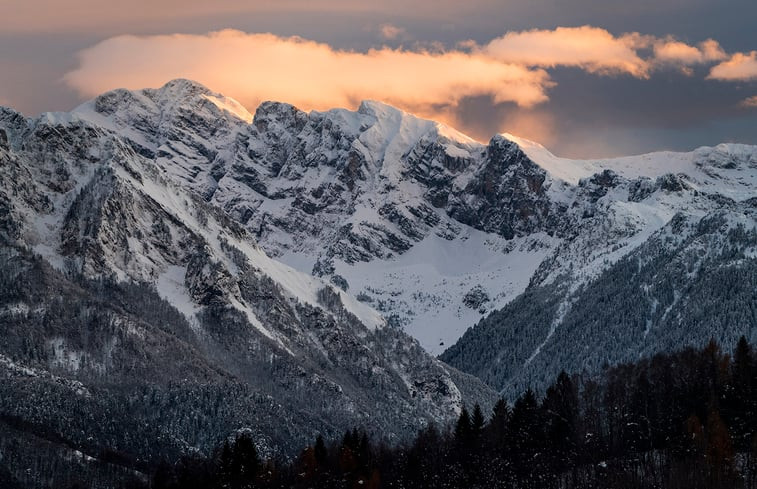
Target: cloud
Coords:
[(670, 51), (391, 32), (591, 48), (510, 68), (311, 75), (750, 102), (598, 51), (428, 79), (739, 67), (711, 50)]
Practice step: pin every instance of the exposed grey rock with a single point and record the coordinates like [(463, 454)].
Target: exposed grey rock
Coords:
[(147, 300), (476, 298)]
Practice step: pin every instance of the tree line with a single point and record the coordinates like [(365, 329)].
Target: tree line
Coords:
[(681, 420)]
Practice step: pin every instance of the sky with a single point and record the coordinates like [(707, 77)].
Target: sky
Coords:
[(586, 78)]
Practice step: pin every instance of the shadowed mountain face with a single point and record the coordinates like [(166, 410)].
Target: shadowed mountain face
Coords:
[(190, 269), (694, 279)]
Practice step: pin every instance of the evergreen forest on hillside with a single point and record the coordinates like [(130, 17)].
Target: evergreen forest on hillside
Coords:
[(681, 420)]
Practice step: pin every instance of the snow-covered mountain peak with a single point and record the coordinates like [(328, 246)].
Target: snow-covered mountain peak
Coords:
[(150, 116), (129, 227), (408, 218), (348, 194), (182, 93), (282, 112), (394, 121), (729, 156), (378, 109), (180, 88), (726, 169)]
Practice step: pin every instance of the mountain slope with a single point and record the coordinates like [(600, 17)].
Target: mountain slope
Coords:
[(427, 226), (138, 318), (694, 279), (658, 260)]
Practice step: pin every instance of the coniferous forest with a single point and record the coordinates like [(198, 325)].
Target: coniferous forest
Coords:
[(682, 420)]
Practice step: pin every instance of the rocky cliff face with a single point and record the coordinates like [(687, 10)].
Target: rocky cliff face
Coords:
[(128, 292), (341, 195)]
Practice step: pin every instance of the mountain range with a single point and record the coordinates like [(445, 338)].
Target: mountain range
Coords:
[(176, 269)]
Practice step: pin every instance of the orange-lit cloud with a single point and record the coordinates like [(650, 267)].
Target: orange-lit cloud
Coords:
[(598, 51), (429, 79), (591, 48), (257, 67), (676, 52), (739, 67), (749, 102), (711, 50)]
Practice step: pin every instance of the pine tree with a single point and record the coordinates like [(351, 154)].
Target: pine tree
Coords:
[(321, 453), (463, 428), (561, 410), (497, 428), (741, 405), (526, 440), (244, 463), (719, 452), (477, 422)]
